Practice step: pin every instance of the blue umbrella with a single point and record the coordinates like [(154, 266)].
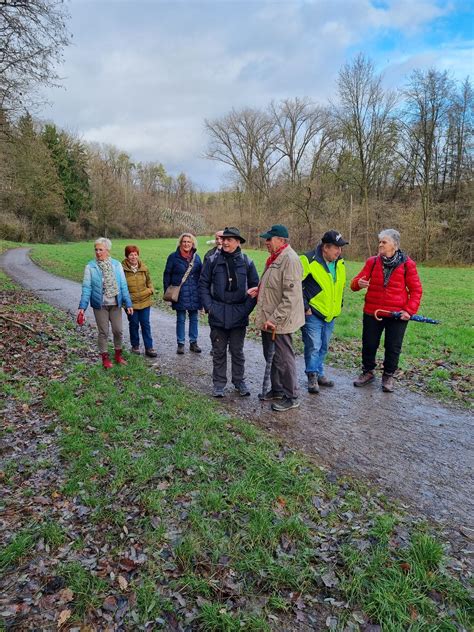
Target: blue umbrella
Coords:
[(416, 317)]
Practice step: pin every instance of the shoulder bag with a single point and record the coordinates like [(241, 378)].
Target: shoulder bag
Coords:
[(172, 291)]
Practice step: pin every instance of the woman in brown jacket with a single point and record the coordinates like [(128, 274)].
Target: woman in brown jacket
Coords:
[(141, 291)]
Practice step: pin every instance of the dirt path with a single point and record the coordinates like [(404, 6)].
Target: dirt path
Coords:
[(409, 446)]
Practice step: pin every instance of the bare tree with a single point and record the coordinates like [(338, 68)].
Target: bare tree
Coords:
[(364, 117), (246, 141), (32, 36), (424, 120)]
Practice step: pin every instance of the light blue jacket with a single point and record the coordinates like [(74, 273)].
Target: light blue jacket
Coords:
[(92, 286)]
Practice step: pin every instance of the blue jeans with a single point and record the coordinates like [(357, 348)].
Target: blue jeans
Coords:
[(181, 325), (140, 318), (316, 336)]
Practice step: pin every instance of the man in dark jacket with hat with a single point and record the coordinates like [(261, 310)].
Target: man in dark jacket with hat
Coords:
[(324, 278), (223, 292)]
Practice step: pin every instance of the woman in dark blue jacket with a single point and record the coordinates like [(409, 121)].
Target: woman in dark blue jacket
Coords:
[(177, 264)]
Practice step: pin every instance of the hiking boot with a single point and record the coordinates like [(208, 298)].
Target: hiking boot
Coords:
[(118, 357), (218, 391), (194, 347), (364, 378), (325, 381), (287, 403), (313, 386), (180, 349), (242, 389), (135, 350), (151, 353), (270, 396), (388, 383), (106, 363)]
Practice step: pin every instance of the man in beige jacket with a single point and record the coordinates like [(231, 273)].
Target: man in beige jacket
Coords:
[(280, 308)]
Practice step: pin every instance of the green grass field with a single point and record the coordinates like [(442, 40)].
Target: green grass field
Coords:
[(438, 359)]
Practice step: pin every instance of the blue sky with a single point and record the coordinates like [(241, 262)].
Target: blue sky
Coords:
[(144, 74)]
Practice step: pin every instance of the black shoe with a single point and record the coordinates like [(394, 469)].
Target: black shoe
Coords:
[(270, 396), (151, 353), (218, 391), (194, 347), (242, 389), (180, 349), (286, 404)]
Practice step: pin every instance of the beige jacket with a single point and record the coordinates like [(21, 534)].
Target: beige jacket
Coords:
[(280, 296)]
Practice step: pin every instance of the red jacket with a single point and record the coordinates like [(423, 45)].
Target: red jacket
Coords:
[(403, 290)]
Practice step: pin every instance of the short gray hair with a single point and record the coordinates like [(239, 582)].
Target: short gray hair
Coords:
[(105, 242), (392, 234)]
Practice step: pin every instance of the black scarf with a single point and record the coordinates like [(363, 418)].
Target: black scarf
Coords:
[(229, 258), (389, 265)]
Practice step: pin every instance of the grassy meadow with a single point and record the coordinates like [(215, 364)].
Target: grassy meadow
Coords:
[(438, 359)]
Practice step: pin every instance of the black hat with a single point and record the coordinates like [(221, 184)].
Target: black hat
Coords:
[(232, 231), (333, 237), (277, 230)]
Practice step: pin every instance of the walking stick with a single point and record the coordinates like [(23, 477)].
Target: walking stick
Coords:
[(416, 317), (268, 367)]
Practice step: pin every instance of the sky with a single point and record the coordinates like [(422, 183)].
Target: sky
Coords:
[(144, 75)]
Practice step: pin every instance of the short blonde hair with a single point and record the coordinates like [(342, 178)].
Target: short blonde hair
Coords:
[(105, 242), (191, 236)]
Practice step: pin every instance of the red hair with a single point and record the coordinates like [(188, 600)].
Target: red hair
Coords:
[(129, 249)]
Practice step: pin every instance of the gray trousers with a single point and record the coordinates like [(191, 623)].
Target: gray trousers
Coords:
[(234, 339), (283, 373), (109, 314)]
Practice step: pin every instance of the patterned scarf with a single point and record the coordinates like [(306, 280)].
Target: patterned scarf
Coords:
[(389, 265), (110, 282)]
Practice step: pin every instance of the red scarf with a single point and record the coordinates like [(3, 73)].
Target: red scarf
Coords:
[(270, 260), (275, 255)]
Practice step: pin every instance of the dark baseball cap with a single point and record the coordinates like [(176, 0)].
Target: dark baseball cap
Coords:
[(333, 237), (277, 230)]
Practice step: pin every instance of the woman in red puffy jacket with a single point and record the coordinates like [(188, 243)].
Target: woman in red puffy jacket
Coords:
[(392, 284)]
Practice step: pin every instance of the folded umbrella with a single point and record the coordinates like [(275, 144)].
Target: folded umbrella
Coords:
[(416, 317)]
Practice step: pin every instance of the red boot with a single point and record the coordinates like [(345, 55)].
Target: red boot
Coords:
[(118, 357), (106, 363)]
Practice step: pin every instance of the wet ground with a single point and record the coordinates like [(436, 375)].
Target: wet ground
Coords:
[(407, 445)]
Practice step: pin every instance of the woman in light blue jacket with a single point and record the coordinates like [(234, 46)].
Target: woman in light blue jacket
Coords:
[(105, 288)]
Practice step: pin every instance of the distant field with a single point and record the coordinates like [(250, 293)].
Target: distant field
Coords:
[(438, 358)]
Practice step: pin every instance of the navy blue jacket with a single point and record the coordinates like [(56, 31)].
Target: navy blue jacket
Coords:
[(228, 309), (176, 266)]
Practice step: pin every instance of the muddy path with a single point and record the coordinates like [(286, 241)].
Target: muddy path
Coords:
[(407, 445)]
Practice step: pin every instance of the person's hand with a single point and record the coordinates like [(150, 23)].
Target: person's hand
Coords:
[(130, 311), (308, 312), (363, 283), (252, 291), (269, 325), (404, 315), (80, 311)]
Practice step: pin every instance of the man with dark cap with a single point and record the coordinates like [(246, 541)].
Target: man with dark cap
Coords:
[(324, 278), (223, 287), (280, 309)]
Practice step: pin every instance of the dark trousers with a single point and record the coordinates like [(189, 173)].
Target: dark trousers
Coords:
[(234, 339), (283, 373), (371, 333)]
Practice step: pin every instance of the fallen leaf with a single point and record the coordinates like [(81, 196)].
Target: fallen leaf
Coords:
[(64, 615), (66, 595), (123, 583)]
